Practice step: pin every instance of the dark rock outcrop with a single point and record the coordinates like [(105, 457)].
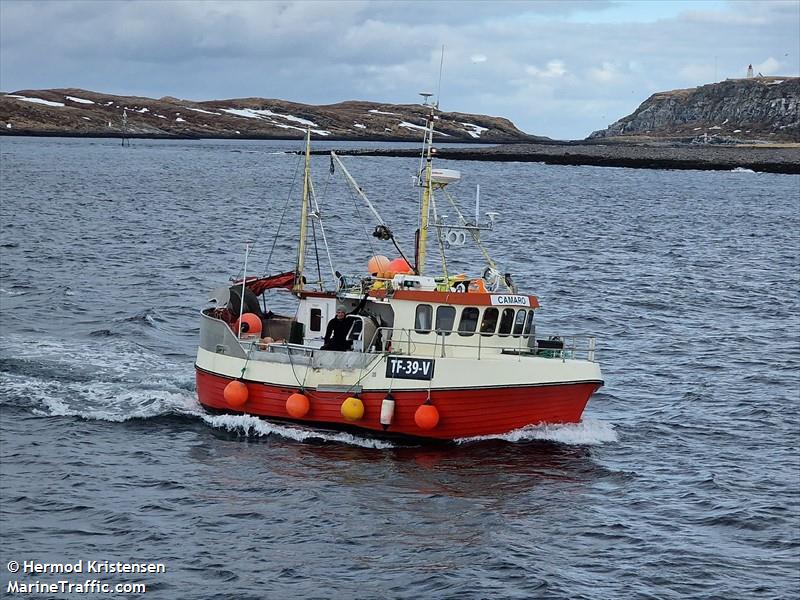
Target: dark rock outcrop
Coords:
[(83, 113), (774, 158), (757, 109)]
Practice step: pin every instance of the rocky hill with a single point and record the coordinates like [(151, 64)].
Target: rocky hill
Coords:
[(78, 112), (754, 109)]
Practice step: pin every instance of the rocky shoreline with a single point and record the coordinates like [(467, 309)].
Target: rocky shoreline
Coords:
[(780, 159)]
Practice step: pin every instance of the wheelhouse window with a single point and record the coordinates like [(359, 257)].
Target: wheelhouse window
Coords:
[(445, 317), (489, 323), (528, 323), (315, 322), (519, 322), (423, 319), (469, 321), (506, 321)]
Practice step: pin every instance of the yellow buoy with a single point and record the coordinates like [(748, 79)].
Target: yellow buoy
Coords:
[(298, 405), (352, 409), (235, 394)]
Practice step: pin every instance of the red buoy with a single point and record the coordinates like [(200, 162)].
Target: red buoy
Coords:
[(250, 324), (235, 394), (399, 265), (426, 417), (298, 405)]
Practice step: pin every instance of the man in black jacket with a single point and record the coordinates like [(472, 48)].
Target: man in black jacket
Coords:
[(336, 333)]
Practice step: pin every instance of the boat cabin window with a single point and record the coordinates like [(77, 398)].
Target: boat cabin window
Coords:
[(424, 318), (469, 321), (528, 323), (519, 322), (489, 323), (315, 322), (506, 322), (445, 317)]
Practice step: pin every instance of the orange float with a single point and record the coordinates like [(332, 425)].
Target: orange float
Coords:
[(400, 265), (235, 394), (427, 416), (252, 322), (377, 265), (298, 405)]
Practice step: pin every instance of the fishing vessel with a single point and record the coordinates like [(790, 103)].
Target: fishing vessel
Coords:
[(396, 350)]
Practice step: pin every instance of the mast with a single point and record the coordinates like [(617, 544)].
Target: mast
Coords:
[(301, 247), (422, 237)]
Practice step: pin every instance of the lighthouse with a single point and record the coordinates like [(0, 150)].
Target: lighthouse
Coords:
[(749, 71)]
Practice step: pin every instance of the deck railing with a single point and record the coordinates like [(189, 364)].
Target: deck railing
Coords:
[(216, 336)]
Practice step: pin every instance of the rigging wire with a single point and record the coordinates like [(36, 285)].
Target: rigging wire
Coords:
[(316, 253), (439, 238), (476, 236), (283, 215), (361, 221), (321, 226)]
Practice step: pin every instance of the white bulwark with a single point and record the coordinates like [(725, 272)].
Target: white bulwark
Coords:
[(510, 300)]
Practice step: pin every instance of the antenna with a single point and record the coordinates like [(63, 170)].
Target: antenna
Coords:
[(439, 90), (425, 97)]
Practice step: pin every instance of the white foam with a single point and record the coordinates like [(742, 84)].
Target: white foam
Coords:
[(742, 170), (250, 425), (11, 293), (589, 432), (79, 100), (34, 100)]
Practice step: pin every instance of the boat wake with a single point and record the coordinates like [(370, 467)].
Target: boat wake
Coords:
[(119, 381), (589, 432)]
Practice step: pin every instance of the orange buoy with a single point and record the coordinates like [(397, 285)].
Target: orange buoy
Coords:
[(477, 286), (298, 405), (399, 265), (426, 417), (377, 265), (250, 324), (235, 394), (352, 409)]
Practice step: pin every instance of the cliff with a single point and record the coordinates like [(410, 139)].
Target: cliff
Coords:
[(76, 112), (736, 110)]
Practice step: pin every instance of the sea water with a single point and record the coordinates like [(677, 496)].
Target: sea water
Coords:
[(682, 480)]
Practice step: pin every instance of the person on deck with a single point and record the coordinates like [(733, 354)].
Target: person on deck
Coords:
[(339, 327), (336, 333)]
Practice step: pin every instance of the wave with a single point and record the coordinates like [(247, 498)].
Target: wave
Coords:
[(589, 432)]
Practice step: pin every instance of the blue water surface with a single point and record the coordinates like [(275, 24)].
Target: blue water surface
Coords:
[(682, 481)]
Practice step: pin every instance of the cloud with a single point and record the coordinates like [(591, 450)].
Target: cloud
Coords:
[(554, 68)]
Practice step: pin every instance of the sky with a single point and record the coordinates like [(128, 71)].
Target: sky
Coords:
[(556, 68)]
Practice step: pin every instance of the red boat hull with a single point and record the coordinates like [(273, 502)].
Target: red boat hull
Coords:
[(462, 412)]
